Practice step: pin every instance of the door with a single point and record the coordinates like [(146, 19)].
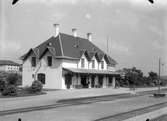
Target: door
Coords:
[(41, 78)]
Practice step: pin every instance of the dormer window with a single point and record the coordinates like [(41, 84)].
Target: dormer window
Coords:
[(33, 61), (93, 63), (102, 64), (82, 62), (49, 60)]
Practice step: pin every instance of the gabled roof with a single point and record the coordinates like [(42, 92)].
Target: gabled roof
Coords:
[(70, 47), (8, 62)]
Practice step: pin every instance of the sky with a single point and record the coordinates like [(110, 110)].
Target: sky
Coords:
[(135, 29)]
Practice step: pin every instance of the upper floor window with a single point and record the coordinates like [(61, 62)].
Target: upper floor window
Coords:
[(33, 61), (102, 65), (49, 59), (82, 62), (93, 63)]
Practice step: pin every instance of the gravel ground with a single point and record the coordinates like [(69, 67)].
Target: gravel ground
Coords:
[(161, 118), (87, 112)]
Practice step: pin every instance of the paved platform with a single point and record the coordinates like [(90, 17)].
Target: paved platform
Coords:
[(53, 96), (88, 112)]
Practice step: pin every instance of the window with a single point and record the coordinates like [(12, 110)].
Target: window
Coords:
[(49, 59), (102, 65), (33, 61), (82, 62), (93, 63)]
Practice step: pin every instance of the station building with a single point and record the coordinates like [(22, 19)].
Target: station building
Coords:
[(67, 62)]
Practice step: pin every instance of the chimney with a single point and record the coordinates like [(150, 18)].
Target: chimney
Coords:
[(74, 31), (89, 36), (56, 27)]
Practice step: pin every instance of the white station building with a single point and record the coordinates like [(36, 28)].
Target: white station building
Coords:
[(68, 61)]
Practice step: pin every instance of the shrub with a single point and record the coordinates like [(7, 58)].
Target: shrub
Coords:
[(36, 87), (10, 90), (2, 85), (12, 79)]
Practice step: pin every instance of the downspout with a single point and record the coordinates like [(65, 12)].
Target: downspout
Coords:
[(37, 71), (38, 66)]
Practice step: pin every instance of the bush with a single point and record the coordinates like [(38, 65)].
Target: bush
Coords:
[(36, 87), (2, 85), (10, 90), (12, 79)]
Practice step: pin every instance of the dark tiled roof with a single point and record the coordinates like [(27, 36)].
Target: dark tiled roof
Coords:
[(8, 62), (68, 46)]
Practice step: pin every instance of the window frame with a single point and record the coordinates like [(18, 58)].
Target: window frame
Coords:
[(82, 63), (49, 61), (102, 64), (33, 61), (93, 64)]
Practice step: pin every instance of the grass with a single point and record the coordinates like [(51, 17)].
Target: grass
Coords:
[(23, 92)]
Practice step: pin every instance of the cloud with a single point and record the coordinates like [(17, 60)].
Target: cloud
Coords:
[(88, 16), (117, 47), (57, 16), (10, 46), (158, 45)]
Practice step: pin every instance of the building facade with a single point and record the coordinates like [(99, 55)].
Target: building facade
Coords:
[(68, 61), (9, 66)]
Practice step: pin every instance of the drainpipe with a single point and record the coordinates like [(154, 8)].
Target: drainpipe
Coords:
[(37, 70)]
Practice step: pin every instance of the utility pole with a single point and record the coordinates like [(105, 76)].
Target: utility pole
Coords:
[(159, 75)]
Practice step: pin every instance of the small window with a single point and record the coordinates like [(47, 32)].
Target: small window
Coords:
[(33, 61), (33, 75), (102, 65), (49, 58), (82, 62), (93, 63)]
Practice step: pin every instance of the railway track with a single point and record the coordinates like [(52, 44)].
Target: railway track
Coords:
[(133, 113), (76, 101)]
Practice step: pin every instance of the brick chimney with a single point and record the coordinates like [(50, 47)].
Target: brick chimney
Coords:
[(89, 36), (56, 27), (74, 31)]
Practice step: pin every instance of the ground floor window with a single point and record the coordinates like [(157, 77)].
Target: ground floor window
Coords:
[(41, 78)]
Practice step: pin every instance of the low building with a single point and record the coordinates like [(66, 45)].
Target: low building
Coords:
[(68, 61), (9, 66)]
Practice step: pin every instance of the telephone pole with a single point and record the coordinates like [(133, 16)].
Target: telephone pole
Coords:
[(159, 75)]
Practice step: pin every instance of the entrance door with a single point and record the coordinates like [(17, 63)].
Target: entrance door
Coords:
[(100, 81), (68, 80), (93, 82), (41, 78), (84, 82)]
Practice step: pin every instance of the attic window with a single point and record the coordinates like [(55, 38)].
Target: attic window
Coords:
[(49, 59), (49, 44), (93, 49), (93, 63), (82, 62), (102, 64), (33, 61)]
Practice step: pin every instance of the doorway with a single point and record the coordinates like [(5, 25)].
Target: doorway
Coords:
[(41, 78), (84, 82)]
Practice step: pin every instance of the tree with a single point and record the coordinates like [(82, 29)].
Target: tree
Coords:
[(153, 77), (12, 79)]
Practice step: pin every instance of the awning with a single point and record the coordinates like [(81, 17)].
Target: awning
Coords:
[(91, 71)]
